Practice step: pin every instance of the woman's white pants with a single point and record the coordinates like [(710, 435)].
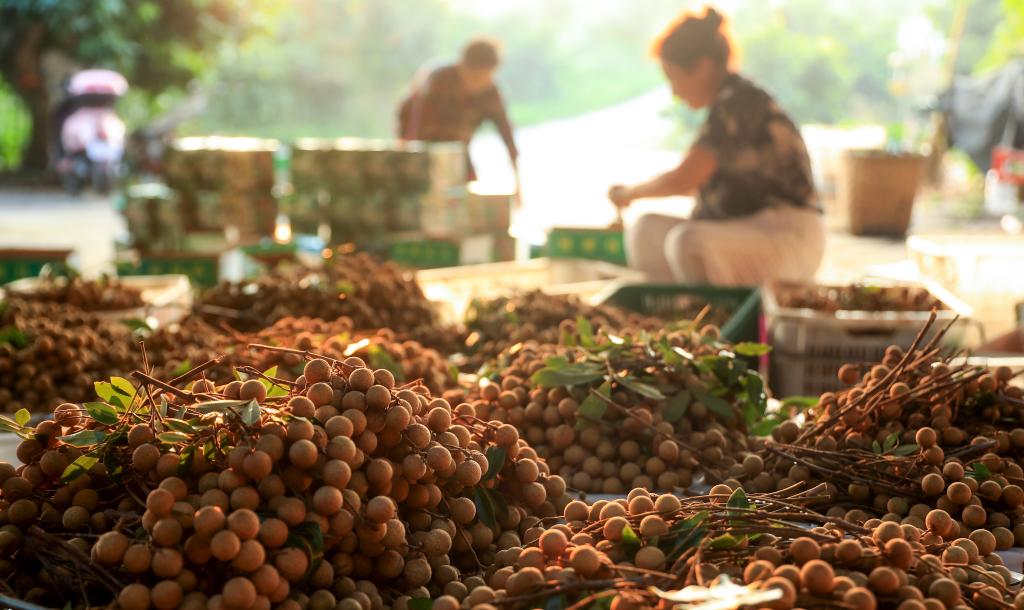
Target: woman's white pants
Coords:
[(779, 243)]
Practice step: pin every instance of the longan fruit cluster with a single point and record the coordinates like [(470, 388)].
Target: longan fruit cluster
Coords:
[(387, 478), (373, 294), (496, 325), (64, 351), (632, 448)]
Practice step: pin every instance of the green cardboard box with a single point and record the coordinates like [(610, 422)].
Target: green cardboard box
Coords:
[(16, 264), (594, 244)]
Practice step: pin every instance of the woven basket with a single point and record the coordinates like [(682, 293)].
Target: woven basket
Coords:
[(877, 190)]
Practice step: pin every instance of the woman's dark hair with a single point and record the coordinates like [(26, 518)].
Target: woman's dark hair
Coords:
[(481, 53), (692, 37)]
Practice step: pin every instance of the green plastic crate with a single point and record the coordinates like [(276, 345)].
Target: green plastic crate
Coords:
[(658, 299), (425, 253), (18, 264), (594, 244), (202, 270)]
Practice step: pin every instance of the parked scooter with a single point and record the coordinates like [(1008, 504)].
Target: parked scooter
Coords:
[(91, 142)]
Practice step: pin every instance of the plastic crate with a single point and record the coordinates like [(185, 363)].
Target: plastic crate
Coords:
[(983, 270), (596, 244), (168, 297), (457, 286), (809, 345), (664, 299)]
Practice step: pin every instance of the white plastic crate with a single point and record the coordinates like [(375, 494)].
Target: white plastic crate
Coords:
[(457, 286), (168, 298), (809, 346), (985, 271)]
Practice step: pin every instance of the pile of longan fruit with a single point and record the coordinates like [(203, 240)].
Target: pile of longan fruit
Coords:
[(347, 493), (635, 448), (883, 564), (373, 294), (56, 354), (105, 294), (858, 298)]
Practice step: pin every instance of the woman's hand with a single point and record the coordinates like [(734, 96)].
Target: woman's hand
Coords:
[(620, 195)]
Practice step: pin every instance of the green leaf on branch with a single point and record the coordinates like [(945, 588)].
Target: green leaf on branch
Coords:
[(13, 336), (629, 536), (602, 603), (22, 417), (380, 358), (173, 438), (570, 375), (593, 408), (220, 406), (268, 384), (484, 507), (585, 331), (80, 466), (250, 414), (876, 447), (85, 438), (643, 389), (725, 541), (980, 471), (890, 442), (766, 425), (555, 602), (104, 390), (801, 403), (179, 425), (715, 404), (556, 362), (739, 499), (122, 385), (751, 350), (685, 535), (495, 461), (905, 450), (101, 412), (677, 407), (421, 603)]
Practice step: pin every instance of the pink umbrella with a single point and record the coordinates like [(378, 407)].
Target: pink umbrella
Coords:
[(98, 81)]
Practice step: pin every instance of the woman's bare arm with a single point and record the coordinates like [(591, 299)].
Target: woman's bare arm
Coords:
[(690, 175)]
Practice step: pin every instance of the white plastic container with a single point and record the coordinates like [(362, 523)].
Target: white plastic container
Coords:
[(809, 345)]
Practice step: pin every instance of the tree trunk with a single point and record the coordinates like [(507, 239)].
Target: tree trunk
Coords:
[(26, 75)]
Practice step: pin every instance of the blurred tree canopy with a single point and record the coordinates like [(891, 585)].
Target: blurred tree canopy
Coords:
[(291, 68), (157, 44)]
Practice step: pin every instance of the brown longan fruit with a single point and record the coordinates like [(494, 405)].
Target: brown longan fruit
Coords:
[(316, 371), (320, 394), (300, 429), (804, 549), (945, 590), (244, 523), (292, 511), (53, 463), (252, 389), (167, 563), (75, 518), (818, 577), (932, 484), (303, 453), (137, 559), (160, 501), (292, 564), (849, 374), (789, 592), (166, 595), (926, 437), (984, 540), (225, 545), (265, 579), (239, 592), (135, 596), (650, 558), (257, 465), (251, 556), (208, 520), (553, 543), (167, 532), (900, 553), (273, 533), (859, 598), (585, 560), (884, 581), (109, 548), (361, 379)]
